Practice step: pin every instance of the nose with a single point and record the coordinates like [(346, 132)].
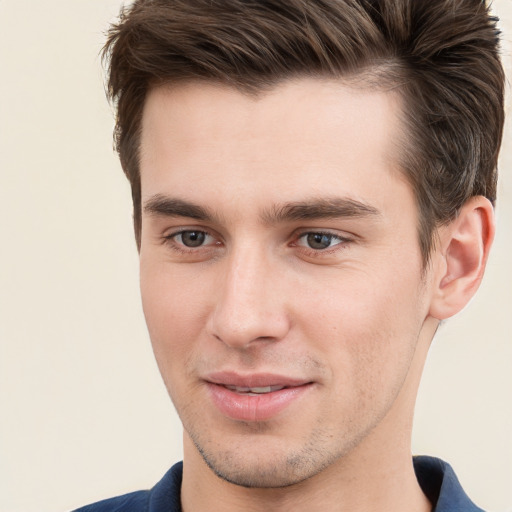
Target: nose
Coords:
[(251, 306)]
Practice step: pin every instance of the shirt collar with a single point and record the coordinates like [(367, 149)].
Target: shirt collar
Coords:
[(441, 486), (436, 478)]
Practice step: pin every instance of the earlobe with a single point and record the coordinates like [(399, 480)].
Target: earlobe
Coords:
[(461, 257)]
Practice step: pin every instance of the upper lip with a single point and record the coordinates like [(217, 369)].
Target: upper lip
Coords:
[(253, 380)]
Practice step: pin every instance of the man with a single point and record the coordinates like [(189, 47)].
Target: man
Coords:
[(313, 186)]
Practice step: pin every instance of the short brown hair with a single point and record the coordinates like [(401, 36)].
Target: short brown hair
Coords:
[(442, 54)]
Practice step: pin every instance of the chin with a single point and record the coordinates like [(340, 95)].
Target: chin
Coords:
[(266, 468), (270, 474)]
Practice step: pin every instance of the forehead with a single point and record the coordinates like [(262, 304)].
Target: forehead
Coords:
[(309, 136)]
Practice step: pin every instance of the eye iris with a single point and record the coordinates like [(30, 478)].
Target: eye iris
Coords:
[(193, 238), (319, 240)]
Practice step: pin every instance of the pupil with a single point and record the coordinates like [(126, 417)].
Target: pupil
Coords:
[(193, 238), (319, 241)]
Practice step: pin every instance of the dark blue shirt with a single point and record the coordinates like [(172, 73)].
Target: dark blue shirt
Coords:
[(436, 478)]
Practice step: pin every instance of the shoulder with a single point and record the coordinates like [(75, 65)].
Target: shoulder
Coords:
[(126, 503), (163, 497)]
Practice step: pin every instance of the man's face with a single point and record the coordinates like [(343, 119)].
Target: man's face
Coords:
[(281, 273)]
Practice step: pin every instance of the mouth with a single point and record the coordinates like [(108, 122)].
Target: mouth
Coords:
[(258, 397), (263, 390)]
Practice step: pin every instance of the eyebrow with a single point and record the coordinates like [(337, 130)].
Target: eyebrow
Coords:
[(159, 205), (323, 208), (315, 208)]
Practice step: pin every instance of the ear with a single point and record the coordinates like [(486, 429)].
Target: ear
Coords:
[(461, 256)]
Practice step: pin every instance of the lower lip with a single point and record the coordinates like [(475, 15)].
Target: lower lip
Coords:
[(259, 407)]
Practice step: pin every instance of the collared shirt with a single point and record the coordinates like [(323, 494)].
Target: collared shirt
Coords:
[(436, 478)]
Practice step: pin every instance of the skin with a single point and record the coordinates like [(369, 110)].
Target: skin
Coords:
[(354, 319)]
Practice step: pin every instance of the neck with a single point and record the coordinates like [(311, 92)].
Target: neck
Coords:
[(386, 484)]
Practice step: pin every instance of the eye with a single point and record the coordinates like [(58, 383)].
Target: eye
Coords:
[(319, 241), (192, 238)]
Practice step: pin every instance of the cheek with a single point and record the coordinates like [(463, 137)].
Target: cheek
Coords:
[(175, 312), (174, 318), (366, 328)]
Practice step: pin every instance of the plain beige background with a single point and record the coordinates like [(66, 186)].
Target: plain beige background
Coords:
[(84, 414)]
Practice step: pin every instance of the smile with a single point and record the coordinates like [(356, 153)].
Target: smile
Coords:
[(256, 397)]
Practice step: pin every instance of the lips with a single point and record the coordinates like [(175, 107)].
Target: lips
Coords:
[(257, 397)]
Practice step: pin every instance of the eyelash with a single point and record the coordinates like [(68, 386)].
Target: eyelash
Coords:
[(170, 239)]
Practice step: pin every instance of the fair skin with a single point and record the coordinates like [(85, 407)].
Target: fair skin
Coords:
[(284, 292)]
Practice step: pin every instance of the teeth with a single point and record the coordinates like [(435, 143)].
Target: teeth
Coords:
[(266, 389), (238, 389), (255, 391)]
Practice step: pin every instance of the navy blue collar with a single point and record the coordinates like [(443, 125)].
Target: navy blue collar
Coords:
[(441, 486), (436, 478)]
